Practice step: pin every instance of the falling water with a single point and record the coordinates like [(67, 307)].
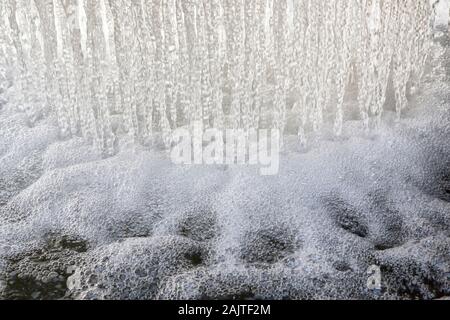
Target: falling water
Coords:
[(112, 68), (86, 212)]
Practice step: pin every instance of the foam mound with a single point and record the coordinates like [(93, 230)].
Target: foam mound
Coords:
[(135, 226)]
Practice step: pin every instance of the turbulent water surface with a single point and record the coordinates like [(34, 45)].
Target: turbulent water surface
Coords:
[(91, 207)]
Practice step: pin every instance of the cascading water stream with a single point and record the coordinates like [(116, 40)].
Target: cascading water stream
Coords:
[(143, 68), (110, 219)]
